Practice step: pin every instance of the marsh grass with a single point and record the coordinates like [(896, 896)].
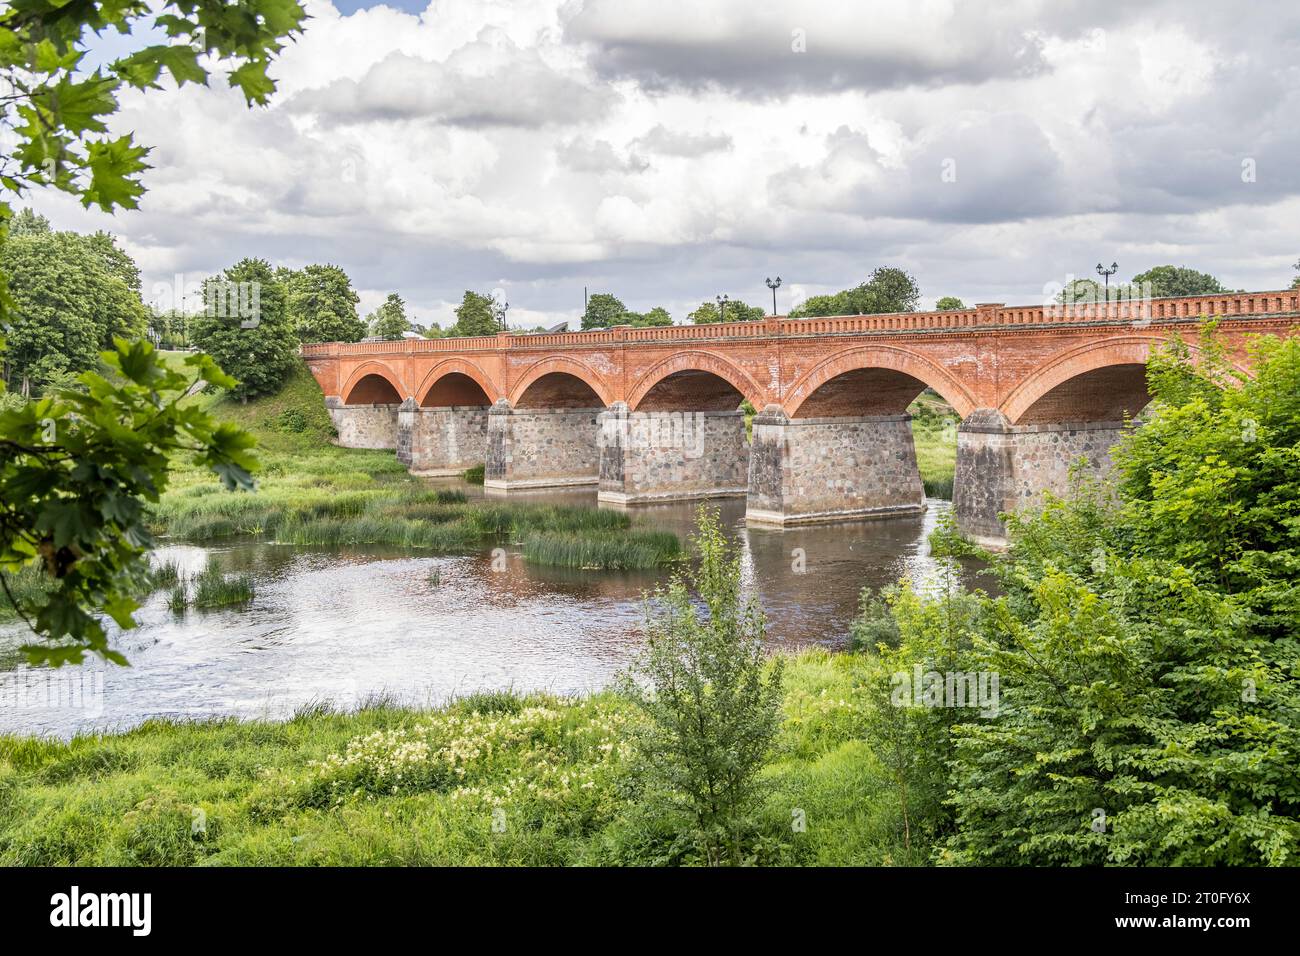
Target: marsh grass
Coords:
[(29, 583), (602, 552), (475, 475), (215, 587)]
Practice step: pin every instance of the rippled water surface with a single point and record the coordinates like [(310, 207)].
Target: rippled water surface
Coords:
[(346, 625)]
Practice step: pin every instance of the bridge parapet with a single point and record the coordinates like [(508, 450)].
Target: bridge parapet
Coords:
[(1122, 311)]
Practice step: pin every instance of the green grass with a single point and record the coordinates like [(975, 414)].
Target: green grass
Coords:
[(934, 432), (386, 785)]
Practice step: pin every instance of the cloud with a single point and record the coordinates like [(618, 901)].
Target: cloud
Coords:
[(490, 82), (671, 152), (662, 141), (792, 46)]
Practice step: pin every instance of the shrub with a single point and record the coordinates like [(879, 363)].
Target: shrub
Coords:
[(712, 707)]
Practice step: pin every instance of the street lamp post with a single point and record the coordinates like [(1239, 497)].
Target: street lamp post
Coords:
[(501, 309), (722, 307), (1103, 271), (774, 284)]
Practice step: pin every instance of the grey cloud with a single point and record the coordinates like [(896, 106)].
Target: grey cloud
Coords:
[(665, 142), (756, 50), (524, 91), (596, 156), (996, 168)]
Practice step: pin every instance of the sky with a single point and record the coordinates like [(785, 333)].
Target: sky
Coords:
[(672, 150)]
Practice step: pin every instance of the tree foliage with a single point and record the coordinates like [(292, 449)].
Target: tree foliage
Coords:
[(603, 310), (950, 303), (475, 315), (606, 311), (389, 321), (70, 295), (711, 702), (77, 470), (1148, 644), (322, 305), (735, 311), (1177, 280), (245, 327), (58, 109), (888, 289)]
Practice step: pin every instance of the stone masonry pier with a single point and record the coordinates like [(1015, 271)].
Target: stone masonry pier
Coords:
[(652, 414)]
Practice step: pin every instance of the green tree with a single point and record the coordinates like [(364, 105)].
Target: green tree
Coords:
[(736, 311), (711, 701), (245, 327), (1295, 283), (1081, 292), (603, 310), (950, 303), (658, 316), (475, 315), (322, 304), (888, 289), (69, 298), (27, 223), (389, 321), (1177, 280)]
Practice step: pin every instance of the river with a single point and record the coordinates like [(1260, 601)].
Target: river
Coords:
[(347, 625)]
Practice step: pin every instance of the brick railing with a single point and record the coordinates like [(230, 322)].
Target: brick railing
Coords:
[(982, 316)]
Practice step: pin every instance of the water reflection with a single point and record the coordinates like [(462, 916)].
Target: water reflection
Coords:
[(349, 624)]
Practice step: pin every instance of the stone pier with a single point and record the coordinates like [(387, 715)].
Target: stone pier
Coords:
[(671, 455), (1003, 467), (541, 447), (364, 426), (806, 470), (441, 442)]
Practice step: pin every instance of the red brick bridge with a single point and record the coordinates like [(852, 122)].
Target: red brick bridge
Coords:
[(652, 414)]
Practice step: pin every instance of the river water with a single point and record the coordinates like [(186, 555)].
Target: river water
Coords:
[(346, 625)]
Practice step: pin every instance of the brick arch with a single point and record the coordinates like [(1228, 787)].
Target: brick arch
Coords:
[(698, 361), (464, 367), (1113, 352), (365, 370), (570, 366), (881, 357)]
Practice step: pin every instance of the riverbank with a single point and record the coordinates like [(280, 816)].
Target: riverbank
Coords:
[(492, 779), (313, 493)]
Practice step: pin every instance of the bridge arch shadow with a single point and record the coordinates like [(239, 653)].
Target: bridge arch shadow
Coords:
[(877, 380), (456, 382), (694, 381), (372, 384), (560, 382), (1099, 381)]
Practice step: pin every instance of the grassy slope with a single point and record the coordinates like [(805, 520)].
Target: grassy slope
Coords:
[(323, 788), (934, 431)]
